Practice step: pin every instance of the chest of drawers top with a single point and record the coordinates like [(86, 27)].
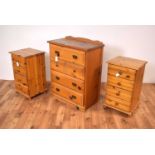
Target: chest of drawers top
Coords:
[(77, 43), (127, 62), (27, 52)]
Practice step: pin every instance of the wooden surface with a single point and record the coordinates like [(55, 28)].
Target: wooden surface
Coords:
[(77, 43), (27, 52), (44, 111), (29, 72), (124, 81), (77, 71), (127, 62)]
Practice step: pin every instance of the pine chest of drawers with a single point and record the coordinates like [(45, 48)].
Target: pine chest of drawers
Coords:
[(29, 71), (124, 82), (76, 65)]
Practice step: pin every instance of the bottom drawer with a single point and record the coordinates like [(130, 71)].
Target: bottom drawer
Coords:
[(22, 88), (117, 105), (67, 93)]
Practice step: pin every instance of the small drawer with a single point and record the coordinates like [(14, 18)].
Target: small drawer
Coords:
[(67, 93), (119, 93), (126, 103), (121, 72), (19, 69), (22, 88), (69, 69), (117, 105), (120, 83), (21, 79), (20, 61), (65, 80), (67, 54)]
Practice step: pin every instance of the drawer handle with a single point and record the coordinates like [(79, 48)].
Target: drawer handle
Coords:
[(119, 83), (118, 74), (74, 70), (57, 78), (79, 88), (57, 53), (74, 56), (118, 94), (128, 76), (72, 97), (57, 89), (17, 71), (74, 84), (116, 103)]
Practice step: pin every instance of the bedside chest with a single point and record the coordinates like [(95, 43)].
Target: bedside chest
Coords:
[(29, 71), (124, 82), (76, 65)]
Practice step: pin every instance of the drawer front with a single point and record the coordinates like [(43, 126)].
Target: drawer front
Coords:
[(67, 54), (22, 88), (20, 79), (120, 83), (121, 72), (69, 69), (126, 103), (117, 105), (119, 93), (19, 69), (67, 93), (65, 80), (19, 60)]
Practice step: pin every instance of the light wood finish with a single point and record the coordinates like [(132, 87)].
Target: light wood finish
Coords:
[(45, 111), (69, 69), (68, 54), (29, 71), (76, 63), (67, 81), (125, 76)]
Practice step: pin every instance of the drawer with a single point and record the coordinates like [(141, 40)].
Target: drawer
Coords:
[(120, 83), (19, 69), (69, 69), (18, 59), (65, 80), (67, 93), (127, 103), (67, 54), (122, 72), (21, 79), (22, 88), (119, 93), (117, 105)]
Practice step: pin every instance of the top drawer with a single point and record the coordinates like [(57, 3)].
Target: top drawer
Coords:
[(122, 72), (19, 60), (67, 54)]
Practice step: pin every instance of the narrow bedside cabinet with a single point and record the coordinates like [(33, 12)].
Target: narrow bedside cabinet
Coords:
[(29, 71), (76, 65), (124, 82)]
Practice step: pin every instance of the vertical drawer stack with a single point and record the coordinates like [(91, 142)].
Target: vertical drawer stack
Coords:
[(76, 65), (124, 82), (29, 71)]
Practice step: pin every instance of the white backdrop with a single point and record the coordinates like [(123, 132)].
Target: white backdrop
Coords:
[(132, 41)]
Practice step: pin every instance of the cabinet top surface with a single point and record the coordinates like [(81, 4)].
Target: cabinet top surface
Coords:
[(27, 52), (127, 62), (77, 43)]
